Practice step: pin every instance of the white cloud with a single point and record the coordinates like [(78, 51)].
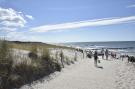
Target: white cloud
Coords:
[(29, 17), (10, 17), (87, 23), (11, 21), (131, 6)]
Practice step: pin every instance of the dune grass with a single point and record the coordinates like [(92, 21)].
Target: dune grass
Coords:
[(15, 75), (27, 45), (38, 63), (5, 63)]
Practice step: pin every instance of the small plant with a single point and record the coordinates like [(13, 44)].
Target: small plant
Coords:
[(45, 54), (33, 52)]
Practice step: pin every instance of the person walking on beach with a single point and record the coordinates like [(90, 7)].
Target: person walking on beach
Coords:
[(106, 54), (102, 52), (95, 58), (83, 51)]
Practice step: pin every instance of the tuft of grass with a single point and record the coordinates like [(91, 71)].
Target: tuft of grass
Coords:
[(49, 62), (33, 53), (62, 58), (75, 58), (56, 56)]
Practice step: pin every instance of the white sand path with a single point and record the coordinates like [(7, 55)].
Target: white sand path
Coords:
[(83, 75)]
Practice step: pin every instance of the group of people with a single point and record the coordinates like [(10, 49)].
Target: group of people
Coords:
[(103, 52)]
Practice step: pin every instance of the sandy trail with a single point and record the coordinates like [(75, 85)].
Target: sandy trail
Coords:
[(83, 75)]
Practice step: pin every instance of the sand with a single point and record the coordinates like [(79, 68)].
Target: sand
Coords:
[(116, 74)]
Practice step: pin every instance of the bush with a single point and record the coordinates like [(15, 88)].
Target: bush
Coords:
[(24, 73), (57, 67), (33, 52), (15, 81), (48, 62), (28, 72)]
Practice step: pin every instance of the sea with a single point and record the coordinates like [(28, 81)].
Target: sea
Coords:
[(122, 47)]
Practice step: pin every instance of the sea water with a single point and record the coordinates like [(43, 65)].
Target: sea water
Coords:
[(123, 47)]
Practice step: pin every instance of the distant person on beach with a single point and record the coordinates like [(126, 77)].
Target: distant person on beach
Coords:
[(83, 51), (95, 58), (113, 55), (102, 52), (106, 54)]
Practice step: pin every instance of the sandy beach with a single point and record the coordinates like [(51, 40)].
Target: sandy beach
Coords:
[(115, 74), (67, 44)]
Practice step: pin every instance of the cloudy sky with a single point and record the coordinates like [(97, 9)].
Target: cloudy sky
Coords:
[(67, 20)]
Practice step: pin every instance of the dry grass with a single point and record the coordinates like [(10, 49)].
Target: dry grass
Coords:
[(5, 63), (27, 45), (38, 64), (16, 75)]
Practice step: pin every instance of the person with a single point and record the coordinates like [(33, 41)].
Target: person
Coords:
[(83, 53), (102, 52), (106, 54), (95, 58)]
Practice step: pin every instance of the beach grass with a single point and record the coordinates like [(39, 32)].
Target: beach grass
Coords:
[(27, 45), (17, 69), (15, 75)]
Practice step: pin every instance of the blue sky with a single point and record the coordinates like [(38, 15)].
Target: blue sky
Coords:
[(68, 20)]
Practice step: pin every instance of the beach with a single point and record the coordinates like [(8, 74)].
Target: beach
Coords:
[(62, 67), (115, 74), (67, 44)]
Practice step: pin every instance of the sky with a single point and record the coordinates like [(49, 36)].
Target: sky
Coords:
[(67, 20)]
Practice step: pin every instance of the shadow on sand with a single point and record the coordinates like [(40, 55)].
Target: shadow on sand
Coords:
[(100, 67)]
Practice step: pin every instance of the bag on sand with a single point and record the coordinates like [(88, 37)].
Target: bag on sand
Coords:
[(98, 61)]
